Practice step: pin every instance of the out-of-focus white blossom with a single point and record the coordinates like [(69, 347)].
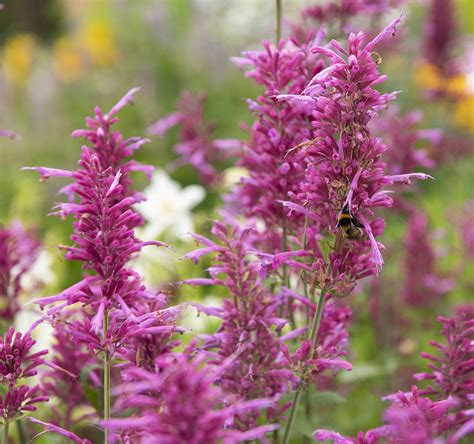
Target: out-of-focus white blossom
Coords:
[(167, 209), (39, 275)]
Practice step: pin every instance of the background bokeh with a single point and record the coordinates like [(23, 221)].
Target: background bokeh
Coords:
[(61, 59)]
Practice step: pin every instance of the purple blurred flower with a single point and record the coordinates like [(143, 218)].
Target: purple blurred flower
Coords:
[(197, 147), (60, 431), (451, 371), (441, 35), (370, 437), (467, 229), (19, 250), (403, 139), (63, 380), (341, 11), (423, 285), (413, 419), (179, 403)]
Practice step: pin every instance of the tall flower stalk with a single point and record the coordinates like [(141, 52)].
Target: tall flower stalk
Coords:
[(100, 201)]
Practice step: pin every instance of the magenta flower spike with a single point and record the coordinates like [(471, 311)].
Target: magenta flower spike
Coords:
[(17, 363), (19, 249), (451, 370), (104, 223), (246, 347), (179, 403), (196, 146), (100, 200), (423, 285), (271, 155), (441, 35), (344, 166)]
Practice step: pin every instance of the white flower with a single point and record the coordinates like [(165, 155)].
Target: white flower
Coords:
[(40, 274), (167, 208)]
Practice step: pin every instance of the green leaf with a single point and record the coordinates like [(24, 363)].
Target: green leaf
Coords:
[(93, 395)]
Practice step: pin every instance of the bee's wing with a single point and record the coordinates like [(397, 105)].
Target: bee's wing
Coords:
[(356, 222), (339, 241)]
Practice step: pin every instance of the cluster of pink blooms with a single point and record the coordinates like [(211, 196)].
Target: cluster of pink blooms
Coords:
[(18, 362), (298, 235), (442, 412), (19, 250), (197, 147), (179, 402), (423, 285)]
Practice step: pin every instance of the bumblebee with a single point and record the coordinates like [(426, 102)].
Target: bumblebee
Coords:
[(349, 227)]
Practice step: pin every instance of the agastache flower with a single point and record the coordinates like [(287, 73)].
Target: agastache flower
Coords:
[(179, 402), (370, 437), (451, 370), (246, 345), (18, 362), (196, 146), (440, 35), (423, 285), (341, 11), (311, 364), (63, 381), (443, 411), (403, 139), (270, 155), (104, 225), (414, 419), (343, 159), (19, 250)]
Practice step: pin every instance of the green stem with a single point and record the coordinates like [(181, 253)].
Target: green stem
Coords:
[(106, 381), (313, 334), (279, 13), (6, 425), (21, 431), (291, 419)]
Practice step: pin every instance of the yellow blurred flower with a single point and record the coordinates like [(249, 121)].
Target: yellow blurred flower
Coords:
[(18, 58), (98, 40), (68, 60), (427, 76), (464, 113)]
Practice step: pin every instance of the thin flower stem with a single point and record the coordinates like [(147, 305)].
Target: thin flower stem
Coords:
[(313, 335), (106, 380), (279, 13), (6, 424), (21, 431)]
